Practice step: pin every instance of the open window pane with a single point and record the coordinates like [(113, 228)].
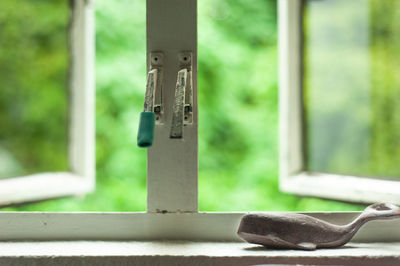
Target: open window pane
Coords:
[(34, 90), (352, 87), (46, 100), (338, 103)]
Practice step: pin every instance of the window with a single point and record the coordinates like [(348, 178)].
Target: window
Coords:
[(47, 122), (172, 207), (230, 100), (338, 99)]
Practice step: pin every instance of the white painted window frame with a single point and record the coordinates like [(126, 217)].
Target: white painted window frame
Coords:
[(172, 169), (294, 177), (168, 219), (81, 177)]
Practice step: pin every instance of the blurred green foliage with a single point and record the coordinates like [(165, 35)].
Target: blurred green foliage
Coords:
[(33, 90), (238, 145)]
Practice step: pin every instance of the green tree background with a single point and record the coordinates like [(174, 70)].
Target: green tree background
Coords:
[(238, 141), (33, 95)]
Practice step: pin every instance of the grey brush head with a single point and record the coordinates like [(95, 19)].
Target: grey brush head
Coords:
[(299, 231)]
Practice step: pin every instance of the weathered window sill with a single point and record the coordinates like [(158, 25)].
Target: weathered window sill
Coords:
[(188, 253)]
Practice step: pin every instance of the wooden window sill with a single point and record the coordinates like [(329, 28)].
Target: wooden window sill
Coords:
[(188, 253)]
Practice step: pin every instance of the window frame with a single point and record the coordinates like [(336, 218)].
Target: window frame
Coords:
[(294, 177), (172, 164), (80, 179), (142, 226), (170, 222)]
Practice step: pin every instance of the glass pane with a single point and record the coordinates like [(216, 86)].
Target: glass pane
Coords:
[(33, 92), (352, 86)]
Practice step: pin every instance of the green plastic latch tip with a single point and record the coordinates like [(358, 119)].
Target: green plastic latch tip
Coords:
[(146, 129)]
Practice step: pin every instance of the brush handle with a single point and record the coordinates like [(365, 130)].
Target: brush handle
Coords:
[(381, 210)]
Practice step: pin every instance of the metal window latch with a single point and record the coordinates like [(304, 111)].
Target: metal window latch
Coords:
[(152, 110), (182, 110), (156, 63)]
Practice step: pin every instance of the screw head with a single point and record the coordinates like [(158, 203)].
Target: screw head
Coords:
[(185, 58), (156, 58)]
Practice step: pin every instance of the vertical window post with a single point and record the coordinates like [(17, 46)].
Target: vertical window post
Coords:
[(172, 168), (82, 132), (291, 157)]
